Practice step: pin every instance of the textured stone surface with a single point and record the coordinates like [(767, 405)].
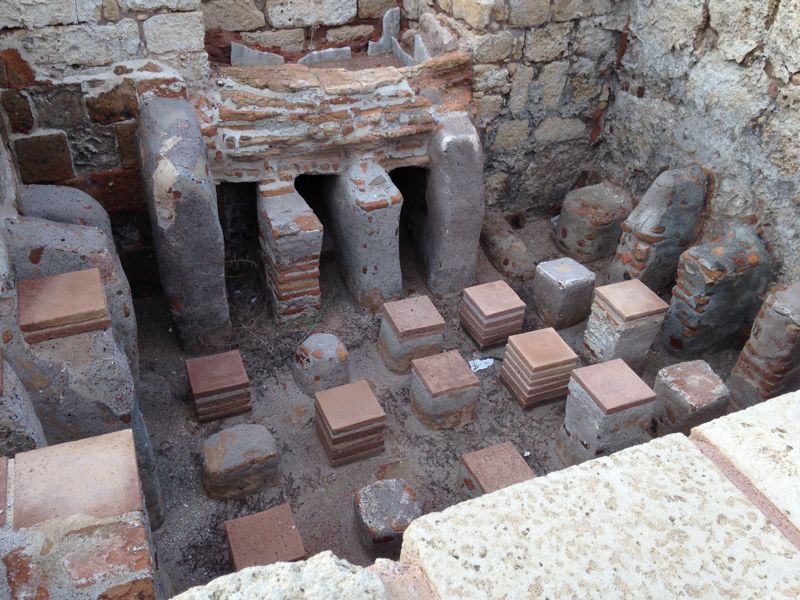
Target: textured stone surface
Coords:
[(177, 32), (44, 158), (660, 520), (562, 292), (20, 428), (239, 460), (321, 576), (288, 40), (320, 362), (306, 13), (384, 510), (506, 251), (232, 15), (757, 448), (688, 394)]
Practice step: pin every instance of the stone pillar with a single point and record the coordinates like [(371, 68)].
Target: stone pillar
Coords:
[(769, 364), (291, 240), (688, 394), (187, 234), (451, 238), (8, 184), (717, 293), (365, 215), (661, 227)]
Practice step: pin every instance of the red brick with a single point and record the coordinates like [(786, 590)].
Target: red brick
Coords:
[(127, 143), (44, 158), (15, 72), (117, 190), (18, 110), (216, 374), (118, 104), (445, 373), (25, 578), (349, 407), (497, 467), (614, 386), (141, 589), (264, 538), (414, 317)]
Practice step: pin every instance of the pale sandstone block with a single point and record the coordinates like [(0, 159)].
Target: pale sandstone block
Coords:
[(183, 32)]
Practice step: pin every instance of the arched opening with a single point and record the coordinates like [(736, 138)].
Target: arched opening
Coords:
[(413, 185), (237, 208), (315, 189)]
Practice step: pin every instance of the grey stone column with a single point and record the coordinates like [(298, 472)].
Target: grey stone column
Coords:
[(187, 234)]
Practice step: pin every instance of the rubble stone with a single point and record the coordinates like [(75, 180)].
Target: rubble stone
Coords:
[(663, 225), (384, 510), (320, 362), (688, 394), (589, 225), (562, 292), (769, 364), (239, 460), (477, 13), (717, 293), (528, 13), (505, 250)]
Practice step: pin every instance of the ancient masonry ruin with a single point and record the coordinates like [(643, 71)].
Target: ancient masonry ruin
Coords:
[(404, 299)]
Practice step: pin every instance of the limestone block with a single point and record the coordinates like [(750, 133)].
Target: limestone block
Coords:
[(562, 292), (37, 13), (511, 135), (374, 9), (20, 428), (154, 5), (90, 45), (193, 67), (476, 13), (663, 224), (565, 10), (757, 448), (232, 15), (547, 43), (306, 13), (187, 234), (552, 79), (717, 293), (781, 41), (769, 364), (491, 78), (489, 48), (688, 394), (656, 498), (520, 86), (528, 13), (177, 32), (239, 460), (384, 510), (321, 576), (589, 225), (349, 33), (288, 40), (438, 38)]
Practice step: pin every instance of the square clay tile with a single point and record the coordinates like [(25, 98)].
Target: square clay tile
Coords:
[(631, 299), (613, 386), (444, 373), (497, 467), (414, 317), (349, 406), (264, 538), (95, 476), (3, 489), (542, 349), (62, 300), (494, 299), (216, 374)]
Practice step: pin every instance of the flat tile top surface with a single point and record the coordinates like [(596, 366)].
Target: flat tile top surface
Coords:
[(414, 315), (3, 489), (94, 476), (264, 538), (445, 372), (542, 349), (697, 383), (632, 299), (497, 466), (494, 298), (216, 373), (763, 444), (663, 522), (614, 386), (349, 406), (565, 269), (63, 299)]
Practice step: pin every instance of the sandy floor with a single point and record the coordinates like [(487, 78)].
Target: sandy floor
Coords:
[(191, 545)]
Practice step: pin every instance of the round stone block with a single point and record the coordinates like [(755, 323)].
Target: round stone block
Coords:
[(320, 363), (384, 510), (239, 460)]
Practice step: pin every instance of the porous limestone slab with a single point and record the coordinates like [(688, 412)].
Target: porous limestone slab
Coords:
[(762, 444), (653, 521)]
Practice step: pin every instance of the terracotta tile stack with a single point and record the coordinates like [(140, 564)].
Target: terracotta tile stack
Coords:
[(491, 312), (264, 538), (537, 367), (62, 305), (220, 386), (350, 423), (491, 469)]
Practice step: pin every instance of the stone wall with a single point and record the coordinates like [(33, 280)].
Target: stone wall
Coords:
[(719, 83)]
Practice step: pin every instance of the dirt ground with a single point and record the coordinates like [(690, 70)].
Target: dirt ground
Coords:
[(191, 545)]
